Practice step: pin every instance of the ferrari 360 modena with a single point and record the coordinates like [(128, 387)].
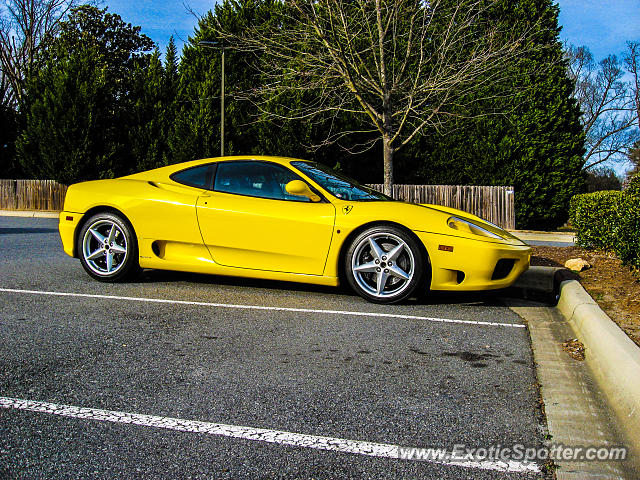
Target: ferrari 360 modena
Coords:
[(282, 219)]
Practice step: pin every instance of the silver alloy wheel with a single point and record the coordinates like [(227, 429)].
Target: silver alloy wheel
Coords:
[(383, 265), (104, 247)]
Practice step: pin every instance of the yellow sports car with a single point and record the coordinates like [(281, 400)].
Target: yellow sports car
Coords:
[(282, 219)]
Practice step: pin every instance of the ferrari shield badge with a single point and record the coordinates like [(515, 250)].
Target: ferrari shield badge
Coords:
[(346, 209)]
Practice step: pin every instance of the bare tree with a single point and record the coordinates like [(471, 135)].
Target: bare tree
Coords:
[(401, 65), (24, 26), (632, 61), (4, 90), (608, 104)]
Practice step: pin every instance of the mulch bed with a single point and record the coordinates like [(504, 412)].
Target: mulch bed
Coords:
[(610, 283)]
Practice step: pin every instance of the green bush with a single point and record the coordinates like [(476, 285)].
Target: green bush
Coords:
[(633, 188), (628, 246), (609, 220), (595, 218)]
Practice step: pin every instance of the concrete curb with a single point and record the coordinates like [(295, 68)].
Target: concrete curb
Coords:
[(612, 356), (540, 284), (29, 213)]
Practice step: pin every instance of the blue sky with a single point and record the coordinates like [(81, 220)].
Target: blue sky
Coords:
[(602, 25), (160, 19)]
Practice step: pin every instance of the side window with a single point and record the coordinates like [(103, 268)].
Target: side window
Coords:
[(256, 179), (199, 177)]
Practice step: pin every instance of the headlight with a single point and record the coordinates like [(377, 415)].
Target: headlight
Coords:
[(470, 227)]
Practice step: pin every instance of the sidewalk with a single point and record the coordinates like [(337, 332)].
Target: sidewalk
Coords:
[(548, 239), (579, 413), (29, 213), (612, 360)]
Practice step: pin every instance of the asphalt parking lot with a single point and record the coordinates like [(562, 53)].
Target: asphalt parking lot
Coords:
[(299, 362)]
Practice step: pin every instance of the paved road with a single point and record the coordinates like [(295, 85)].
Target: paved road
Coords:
[(398, 380)]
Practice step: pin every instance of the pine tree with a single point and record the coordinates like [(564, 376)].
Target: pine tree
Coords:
[(171, 68), (197, 124), (8, 132), (196, 128), (79, 102), (170, 83), (147, 135), (535, 144), (154, 111)]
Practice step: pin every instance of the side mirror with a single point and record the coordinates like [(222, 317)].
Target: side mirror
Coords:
[(298, 187)]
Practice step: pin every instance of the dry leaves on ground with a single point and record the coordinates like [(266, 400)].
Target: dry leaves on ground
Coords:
[(575, 348)]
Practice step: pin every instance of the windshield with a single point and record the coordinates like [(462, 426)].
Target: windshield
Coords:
[(337, 184)]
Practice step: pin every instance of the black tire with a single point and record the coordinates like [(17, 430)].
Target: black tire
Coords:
[(107, 235), (375, 276)]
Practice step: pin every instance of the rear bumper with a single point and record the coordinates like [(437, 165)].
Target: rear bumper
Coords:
[(473, 264), (67, 224)]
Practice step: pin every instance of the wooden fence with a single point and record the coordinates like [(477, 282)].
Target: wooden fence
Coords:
[(495, 204), (492, 203), (31, 195)]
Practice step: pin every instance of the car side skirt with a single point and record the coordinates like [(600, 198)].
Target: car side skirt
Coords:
[(204, 264)]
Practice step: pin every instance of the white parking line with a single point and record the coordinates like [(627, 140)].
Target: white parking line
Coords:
[(261, 307), (371, 449)]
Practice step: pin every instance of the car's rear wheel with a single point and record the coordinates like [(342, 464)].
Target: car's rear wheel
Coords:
[(107, 248), (384, 264)]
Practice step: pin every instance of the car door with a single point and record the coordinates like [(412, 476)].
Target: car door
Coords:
[(164, 214), (250, 221)]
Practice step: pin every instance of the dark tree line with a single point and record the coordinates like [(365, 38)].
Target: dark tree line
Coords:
[(101, 102)]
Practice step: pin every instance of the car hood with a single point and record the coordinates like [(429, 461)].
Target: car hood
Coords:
[(475, 219), (420, 218)]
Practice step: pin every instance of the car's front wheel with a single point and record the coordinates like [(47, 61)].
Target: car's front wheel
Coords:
[(107, 248), (384, 264)]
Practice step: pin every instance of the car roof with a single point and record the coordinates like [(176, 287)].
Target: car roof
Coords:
[(249, 158), (164, 172)]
